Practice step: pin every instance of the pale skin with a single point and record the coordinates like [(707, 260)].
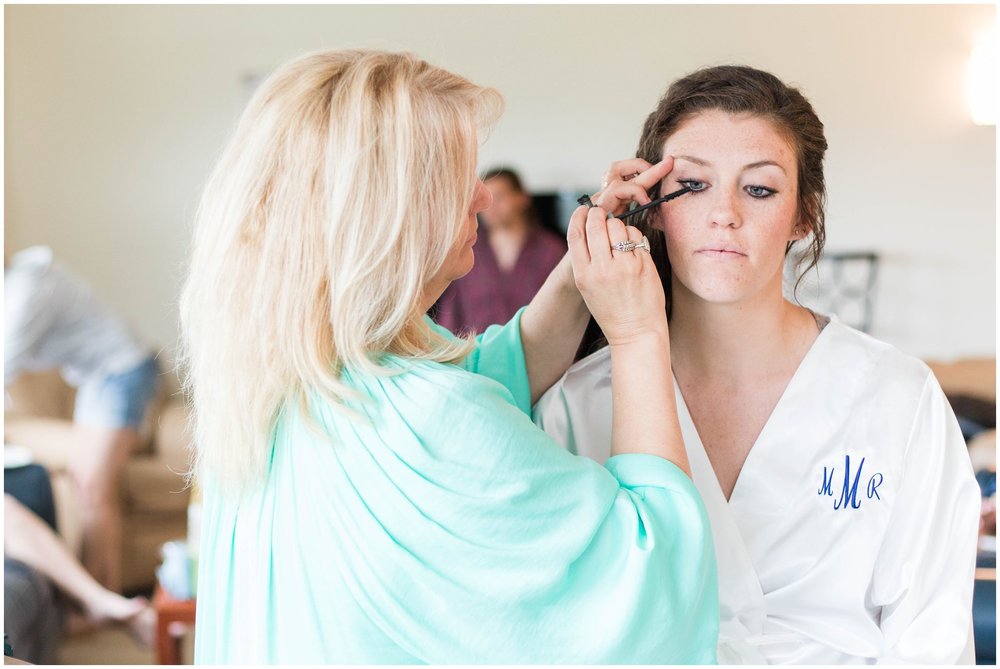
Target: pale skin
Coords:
[(732, 333)]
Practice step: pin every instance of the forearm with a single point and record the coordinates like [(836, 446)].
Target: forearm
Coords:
[(551, 328), (644, 408), (31, 541)]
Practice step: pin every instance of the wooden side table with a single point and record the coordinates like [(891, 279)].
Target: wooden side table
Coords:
[(170, 612)]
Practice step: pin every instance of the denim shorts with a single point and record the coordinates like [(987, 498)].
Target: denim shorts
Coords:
[(118, 401)]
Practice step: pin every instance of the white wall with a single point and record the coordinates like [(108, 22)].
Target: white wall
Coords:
[(114, 115)]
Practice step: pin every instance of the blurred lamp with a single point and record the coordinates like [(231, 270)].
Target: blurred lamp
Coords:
[(981, 79)]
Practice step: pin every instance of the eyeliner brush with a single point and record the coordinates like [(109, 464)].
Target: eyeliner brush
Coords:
[(585, 199), (659, 200)]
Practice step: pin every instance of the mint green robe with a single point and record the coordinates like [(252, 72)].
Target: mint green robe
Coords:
[(452, 530)]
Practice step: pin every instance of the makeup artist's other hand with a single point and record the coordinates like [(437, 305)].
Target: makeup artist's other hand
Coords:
[(622, 289), (629, 181)]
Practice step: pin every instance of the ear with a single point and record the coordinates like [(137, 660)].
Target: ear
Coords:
[(800, 230), (655, 220)]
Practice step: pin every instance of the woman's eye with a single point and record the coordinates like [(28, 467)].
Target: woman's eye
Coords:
[(760, 191), (693, 184)]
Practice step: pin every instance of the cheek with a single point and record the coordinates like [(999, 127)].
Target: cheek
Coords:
[(784, 216), (676, 224)]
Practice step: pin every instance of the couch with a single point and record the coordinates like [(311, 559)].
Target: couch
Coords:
[(154, 496)]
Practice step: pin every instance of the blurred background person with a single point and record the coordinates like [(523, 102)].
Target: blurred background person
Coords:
[(514, 255), (37, 565), (53, 320)]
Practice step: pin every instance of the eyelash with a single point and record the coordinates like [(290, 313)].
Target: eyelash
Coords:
[(698, 186)]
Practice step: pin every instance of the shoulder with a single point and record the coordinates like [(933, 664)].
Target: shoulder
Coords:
[(29, 275), (878, 365), (428, 388), (591, 370), (32, 262), (581, 385), (895, 399)]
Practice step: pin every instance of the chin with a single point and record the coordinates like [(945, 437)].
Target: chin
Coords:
[(464, 266), (717, 290)]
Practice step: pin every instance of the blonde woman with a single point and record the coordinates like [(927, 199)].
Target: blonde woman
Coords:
[(375, 491)]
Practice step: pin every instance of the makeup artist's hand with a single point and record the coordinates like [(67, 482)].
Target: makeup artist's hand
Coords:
[(629, 181), (622, 289)]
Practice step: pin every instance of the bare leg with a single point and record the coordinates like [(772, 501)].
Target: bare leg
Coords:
[(28, 539), (96, 466)]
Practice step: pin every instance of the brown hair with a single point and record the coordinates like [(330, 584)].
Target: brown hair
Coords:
[(501, 172), (737, 89)]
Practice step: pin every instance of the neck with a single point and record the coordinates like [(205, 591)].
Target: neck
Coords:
[(506, 241), (513, 228), (738, 340)]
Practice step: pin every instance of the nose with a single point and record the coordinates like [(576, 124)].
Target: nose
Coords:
[(482, 199), (725, 210)]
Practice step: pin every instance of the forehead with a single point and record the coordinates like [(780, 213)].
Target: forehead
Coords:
[(499, 184), (719, 137)]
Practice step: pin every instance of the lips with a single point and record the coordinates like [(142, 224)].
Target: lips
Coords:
[(722, 251)]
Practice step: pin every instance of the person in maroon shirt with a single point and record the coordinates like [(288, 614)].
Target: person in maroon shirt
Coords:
[(514, 255)]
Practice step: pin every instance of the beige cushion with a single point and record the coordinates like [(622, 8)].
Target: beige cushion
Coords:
[(975, 377), (149, 485), (50, 440), (173, 436), (41, 394)]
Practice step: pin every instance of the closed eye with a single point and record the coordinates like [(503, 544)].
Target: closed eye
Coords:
[(693, 184), (760, 192)]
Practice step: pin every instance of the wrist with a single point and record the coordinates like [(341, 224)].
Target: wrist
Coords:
[(652, 336), (568, 290)]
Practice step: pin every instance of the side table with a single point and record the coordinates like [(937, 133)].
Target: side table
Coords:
[(170, 612)]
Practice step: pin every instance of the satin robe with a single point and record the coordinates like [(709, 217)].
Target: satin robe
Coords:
[(444, 527), (850, 535)]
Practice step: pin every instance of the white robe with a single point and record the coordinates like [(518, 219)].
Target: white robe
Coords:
[(850, 535)]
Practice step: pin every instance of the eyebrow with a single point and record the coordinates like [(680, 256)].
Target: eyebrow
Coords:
[(759, 163)]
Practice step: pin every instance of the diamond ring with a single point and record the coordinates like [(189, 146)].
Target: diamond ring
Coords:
[(631, 245)]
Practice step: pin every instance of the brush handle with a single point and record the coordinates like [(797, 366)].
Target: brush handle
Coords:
[(659, 200), (585, 199)]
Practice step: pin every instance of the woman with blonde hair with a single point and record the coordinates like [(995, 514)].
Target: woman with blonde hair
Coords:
[(375, 491)]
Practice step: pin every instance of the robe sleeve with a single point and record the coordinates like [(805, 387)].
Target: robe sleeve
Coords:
[(515, 550), (925, 569), (499, 355)]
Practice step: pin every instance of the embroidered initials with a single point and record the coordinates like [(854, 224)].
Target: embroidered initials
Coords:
[(849, 489)]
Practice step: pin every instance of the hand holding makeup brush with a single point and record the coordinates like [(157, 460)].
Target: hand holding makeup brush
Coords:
[(630, 181), (621, 287), (623, 291)]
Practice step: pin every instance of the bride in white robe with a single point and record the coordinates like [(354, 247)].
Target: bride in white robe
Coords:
[(843, 505)]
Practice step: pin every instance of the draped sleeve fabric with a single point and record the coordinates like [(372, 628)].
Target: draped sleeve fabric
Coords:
[(445, 527), (499, 355), (923, 575)]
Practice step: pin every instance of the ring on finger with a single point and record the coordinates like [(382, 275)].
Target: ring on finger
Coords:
[(631, 245), (630, 176)]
